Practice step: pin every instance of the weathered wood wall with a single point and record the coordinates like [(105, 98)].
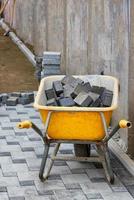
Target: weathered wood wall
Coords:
[(91, 34)]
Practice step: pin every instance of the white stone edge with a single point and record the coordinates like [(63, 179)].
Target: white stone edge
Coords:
[(122, 156)]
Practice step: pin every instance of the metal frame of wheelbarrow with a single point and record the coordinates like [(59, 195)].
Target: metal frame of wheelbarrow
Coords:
[(102, 147)]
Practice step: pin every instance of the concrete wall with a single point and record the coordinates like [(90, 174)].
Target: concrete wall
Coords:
[(91, 34)]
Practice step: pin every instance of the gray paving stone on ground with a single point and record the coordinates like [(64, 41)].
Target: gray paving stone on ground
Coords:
[(9, 181), (70, 195), (74, 178), (21, 192), (21, 152), (33, 164), (79, 165), (46, 197), (4, 196), (49, 185), (116, 196), (13, 168)]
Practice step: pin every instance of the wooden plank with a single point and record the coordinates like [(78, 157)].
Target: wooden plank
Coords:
[(108, 47), (56, 28), (77, 36), (40, 26)]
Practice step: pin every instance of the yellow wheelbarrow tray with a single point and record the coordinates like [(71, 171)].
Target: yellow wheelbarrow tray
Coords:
[(77, 125)]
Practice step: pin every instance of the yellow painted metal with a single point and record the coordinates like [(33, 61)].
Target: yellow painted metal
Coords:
[(24, 124), (125, 124), (76, 125)]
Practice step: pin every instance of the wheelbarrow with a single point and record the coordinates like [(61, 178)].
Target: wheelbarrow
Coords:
[(77, 125)]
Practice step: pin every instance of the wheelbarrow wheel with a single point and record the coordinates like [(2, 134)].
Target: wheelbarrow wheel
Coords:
[(82, 150)]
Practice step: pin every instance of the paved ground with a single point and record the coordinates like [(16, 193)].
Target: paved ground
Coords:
[(20, 157)]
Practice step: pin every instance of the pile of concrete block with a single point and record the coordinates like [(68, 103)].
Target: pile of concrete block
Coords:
[(72, 91), (15, 98), (51, 63)]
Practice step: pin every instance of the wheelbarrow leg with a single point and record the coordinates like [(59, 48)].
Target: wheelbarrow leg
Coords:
[(43, 162), (43, 178), (105, 159), (51, 161)]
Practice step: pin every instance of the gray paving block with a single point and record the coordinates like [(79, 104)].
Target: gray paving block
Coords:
[(70, 195), (130, 189), (116, 196), (58, 88), (49, 185), (77, 171), (11, 108), (39, 197), (15, 120), (66, 102), (12, 101), (12, 140), (10, 148), (51, 55), (60, 170), (5, 160), (3, 189), (83, 99), (98, 180), (5, 154), (3, 142), (20, 192), (118, 186), (26, 183), (9, 181), (74, 178), (66, 151), (4, 113), (4, 196), (29, 145), (18, 156), (13, 168), (28, 176), (80, 165), (72, 186), (102, 187), (54, 177), (7, 128), (60, 163), (4, 119), (94, 196), (4, 98), (15, 94), (33, 164), (39, 151), (52, 61), (127, 181), (95, 173)]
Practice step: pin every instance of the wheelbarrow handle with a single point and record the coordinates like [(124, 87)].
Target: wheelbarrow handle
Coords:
[(25, 124), (122, 124), (29, 124)]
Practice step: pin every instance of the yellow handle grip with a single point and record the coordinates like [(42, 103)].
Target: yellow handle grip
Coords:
[(25, 124), (125, 124)]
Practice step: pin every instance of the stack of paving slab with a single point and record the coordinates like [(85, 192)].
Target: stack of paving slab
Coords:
[(72, 91), (15, 98), (51, 63)]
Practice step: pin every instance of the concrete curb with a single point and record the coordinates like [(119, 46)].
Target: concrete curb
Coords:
[(122, 156)]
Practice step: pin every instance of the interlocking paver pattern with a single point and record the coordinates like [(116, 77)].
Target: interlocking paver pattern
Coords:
[(20, 157)]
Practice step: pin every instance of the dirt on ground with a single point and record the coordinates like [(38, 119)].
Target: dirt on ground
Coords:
[(16, 72)]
